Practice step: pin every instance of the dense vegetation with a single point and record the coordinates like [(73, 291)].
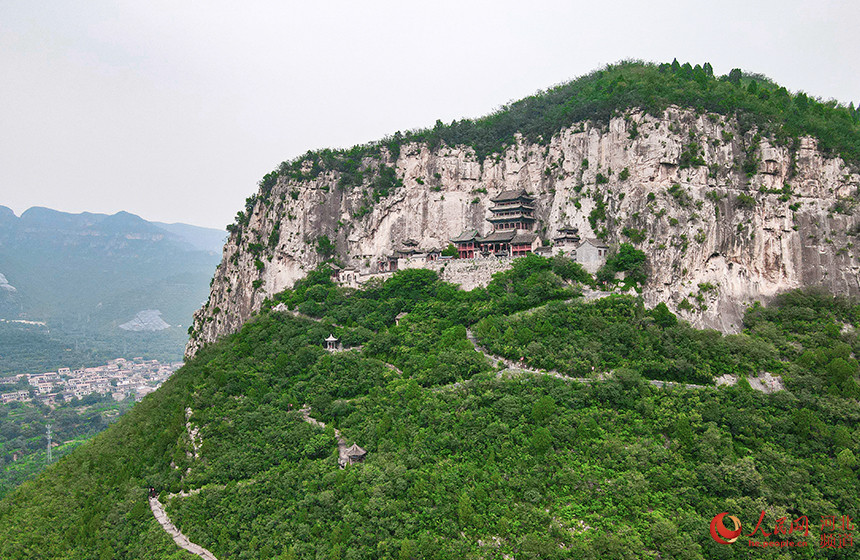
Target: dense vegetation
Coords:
[(463, 462), (37, 349), (22, 433), (755, 101)]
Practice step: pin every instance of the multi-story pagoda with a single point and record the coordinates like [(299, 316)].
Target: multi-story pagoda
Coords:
[(567, 240), (513, 221), (513, 210)]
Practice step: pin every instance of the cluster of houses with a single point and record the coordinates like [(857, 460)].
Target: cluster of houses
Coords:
[(512, 234), (120, 378)]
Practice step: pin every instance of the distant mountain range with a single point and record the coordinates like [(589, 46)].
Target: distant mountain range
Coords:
[(84, 275)]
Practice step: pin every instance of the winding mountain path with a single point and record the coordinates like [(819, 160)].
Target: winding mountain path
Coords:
[(180, 539), (342, 457), (514, 367)]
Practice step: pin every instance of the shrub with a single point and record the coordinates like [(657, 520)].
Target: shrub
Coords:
[(679, 194), (324, 246), (745, 201), (627, 259), (663, 317), (635, 235), (690, 156)]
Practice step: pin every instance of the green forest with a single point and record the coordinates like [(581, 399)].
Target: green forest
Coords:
[(23, 442), (37, 349), (468, 460)]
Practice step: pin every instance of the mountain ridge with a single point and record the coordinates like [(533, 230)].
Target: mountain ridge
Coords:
[(711, 201), (86, 274)]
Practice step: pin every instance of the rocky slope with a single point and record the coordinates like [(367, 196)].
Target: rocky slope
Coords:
[(724, 216)]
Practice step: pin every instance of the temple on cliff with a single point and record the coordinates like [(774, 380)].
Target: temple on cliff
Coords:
[(512, 219)]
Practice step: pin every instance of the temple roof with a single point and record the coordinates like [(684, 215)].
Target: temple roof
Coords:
[(355, 451), (523, 238), (595, 243), (567, 233), (467, 235), (512, 194), (520, 215), (499, 237)]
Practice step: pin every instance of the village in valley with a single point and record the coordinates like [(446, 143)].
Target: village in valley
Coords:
[(119, 378)]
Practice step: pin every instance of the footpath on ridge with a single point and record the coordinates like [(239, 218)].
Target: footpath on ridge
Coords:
[(177, 536), (342, 457), (765, 383)]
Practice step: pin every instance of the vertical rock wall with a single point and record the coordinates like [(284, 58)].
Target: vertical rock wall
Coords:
[(724, 217)]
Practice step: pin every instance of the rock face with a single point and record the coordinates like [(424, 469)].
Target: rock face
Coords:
[(9, 304), (725, 216), (146, 320)]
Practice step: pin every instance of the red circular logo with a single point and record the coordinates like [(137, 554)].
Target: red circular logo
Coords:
[(720, 533)]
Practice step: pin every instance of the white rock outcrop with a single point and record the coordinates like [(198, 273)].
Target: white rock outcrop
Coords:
[(716, 238)]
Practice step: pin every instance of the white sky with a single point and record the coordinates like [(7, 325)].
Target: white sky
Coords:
[(174, 110)]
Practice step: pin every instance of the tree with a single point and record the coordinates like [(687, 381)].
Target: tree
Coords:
[(541, 441), (846, 459), (663, 317), (450, 251), (838, 372), (543, 409), (325, 247), (735, 76), (683, 431), (570, 270), (465, 511)]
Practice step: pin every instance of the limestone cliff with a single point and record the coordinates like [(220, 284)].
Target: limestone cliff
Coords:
[(725, 217)]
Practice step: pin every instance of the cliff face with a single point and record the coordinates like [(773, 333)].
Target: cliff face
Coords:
[(724, 216)]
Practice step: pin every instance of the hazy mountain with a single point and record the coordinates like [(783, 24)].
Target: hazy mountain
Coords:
[(86, 274), (203, 239)]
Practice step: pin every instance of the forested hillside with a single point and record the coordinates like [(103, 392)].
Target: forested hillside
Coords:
[(22, 433), (466, 460)]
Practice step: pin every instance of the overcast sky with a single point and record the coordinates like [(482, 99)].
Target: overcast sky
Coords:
[(174, 110)]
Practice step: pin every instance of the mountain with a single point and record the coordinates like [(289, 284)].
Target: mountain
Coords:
[(202, 239), (540, 414), (84, 275), (735, 189), (468, 454)]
